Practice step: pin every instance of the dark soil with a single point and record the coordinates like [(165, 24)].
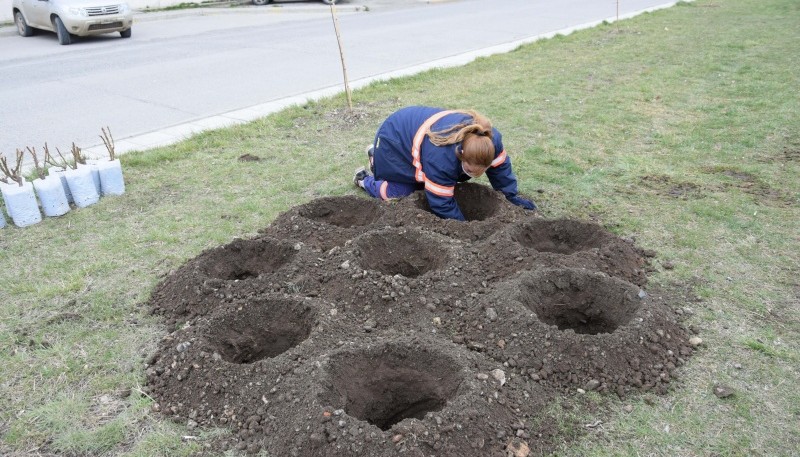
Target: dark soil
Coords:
[(356, 327)]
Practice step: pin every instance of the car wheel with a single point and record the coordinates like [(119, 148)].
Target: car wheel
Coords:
[(261, 2), (22, 27), (125, 33), (64, 37)]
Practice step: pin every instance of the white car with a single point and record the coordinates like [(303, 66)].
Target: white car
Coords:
[(70, 18)]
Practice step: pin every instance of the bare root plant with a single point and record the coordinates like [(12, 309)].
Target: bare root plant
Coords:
[(108, 141), (40, 169), (61, 162), (12, 173), (77, 155)]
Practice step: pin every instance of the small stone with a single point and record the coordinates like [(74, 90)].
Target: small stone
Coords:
[(738, 366), (191, 425), (695, 341), (370, 325), (482, 376), (642, 294), (182, 347), (491, 314), (668, 265), (581, 391), (345, 265), (396, 439), (722, 391), (499, 375), (628, 408), (437, 321), (592, 385), (518, 448), (501, 344), (316, 439)]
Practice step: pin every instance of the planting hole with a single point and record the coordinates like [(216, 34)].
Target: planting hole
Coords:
[(477, 202), (345, 212), (585, 302), (243, 259), (408, 253), (262, 329), (560, 236), (390, 384)]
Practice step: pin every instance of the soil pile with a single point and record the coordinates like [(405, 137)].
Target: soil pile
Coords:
[(356, 327)]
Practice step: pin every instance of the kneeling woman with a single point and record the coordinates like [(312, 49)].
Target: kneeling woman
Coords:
[(419, 147)]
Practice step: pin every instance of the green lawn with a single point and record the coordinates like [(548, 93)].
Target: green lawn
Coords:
[(679, 128)]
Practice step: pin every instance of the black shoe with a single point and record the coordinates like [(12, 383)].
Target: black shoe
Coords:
[(371, 157), (358, 178)]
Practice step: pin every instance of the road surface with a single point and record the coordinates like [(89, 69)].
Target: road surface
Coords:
[(194, 70)]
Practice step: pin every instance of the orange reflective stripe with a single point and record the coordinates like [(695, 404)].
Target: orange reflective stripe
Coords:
[(436, 189), (499, 160), (384, 187), (418, 138)]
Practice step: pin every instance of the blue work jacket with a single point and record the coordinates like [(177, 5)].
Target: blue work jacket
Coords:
[(435, 167)]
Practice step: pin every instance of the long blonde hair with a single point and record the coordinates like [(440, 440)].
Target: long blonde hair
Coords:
[(475, 136)]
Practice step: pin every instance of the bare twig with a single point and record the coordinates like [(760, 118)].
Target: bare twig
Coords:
[(77, 155), (40, 169), (12, 173), (108, 140), (48, 158), (64, 162), (341, 56)]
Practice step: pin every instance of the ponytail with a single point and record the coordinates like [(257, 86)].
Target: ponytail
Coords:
[(475, 136)]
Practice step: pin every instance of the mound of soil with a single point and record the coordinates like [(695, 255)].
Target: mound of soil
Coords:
[(356, 327)]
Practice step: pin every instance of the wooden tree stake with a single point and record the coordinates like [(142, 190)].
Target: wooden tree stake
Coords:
[(341, 56)]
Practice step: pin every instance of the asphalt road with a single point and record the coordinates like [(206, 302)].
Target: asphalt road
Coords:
[(192, 70)]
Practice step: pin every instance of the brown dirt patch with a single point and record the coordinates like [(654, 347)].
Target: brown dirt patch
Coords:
[(355, 327), (664, 185)]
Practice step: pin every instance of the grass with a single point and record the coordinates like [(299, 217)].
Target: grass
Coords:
[(678, 128)]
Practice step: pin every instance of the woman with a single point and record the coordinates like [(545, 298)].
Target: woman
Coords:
[(420, 147)]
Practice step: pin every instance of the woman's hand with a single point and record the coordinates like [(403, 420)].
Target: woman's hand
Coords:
[(527, 204)]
